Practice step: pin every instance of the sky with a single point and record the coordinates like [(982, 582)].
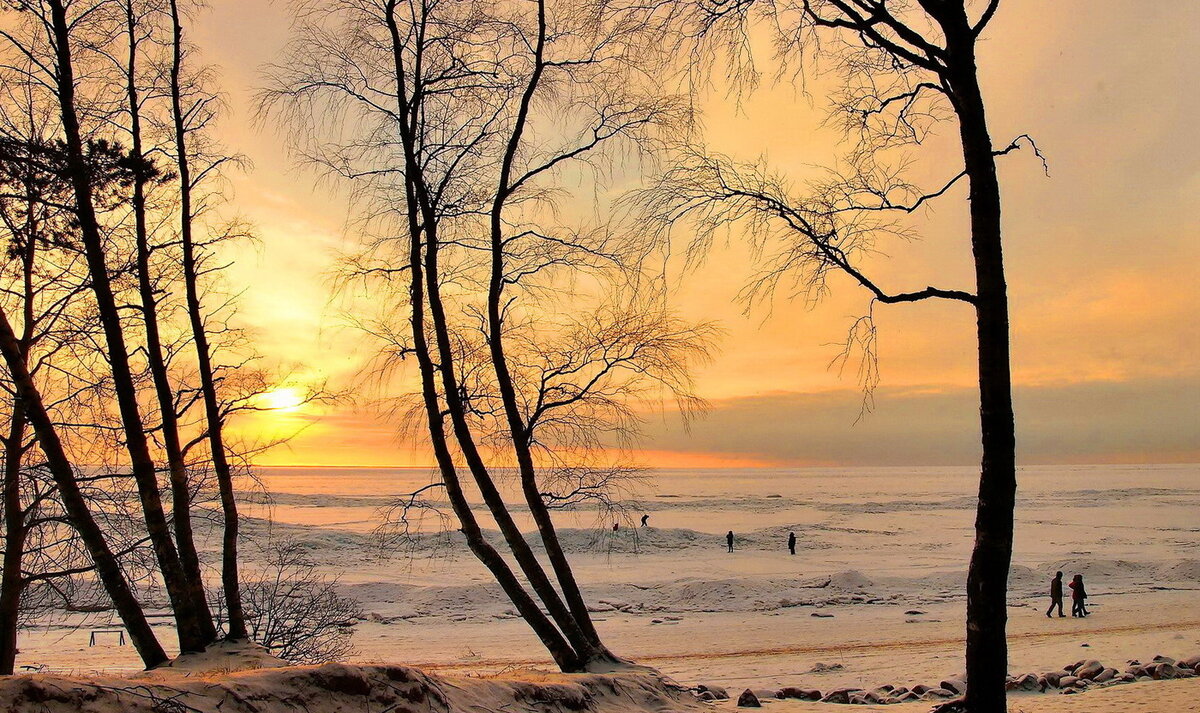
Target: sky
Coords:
[(1101, 255)]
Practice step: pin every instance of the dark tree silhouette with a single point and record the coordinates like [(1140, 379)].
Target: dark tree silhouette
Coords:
[(191, 113), (905, 66), (462, 116)]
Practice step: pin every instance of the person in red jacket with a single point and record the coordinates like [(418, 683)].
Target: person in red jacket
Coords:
[(1078, 594)]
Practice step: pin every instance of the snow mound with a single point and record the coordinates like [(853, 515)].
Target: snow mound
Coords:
[(222, 657), (340, 688)]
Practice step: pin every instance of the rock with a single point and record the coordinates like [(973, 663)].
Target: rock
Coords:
[(899, 691), (936, 693), (1191, 661), (821, 615), (909, 696), (803, 694), (820, 667), (954, 685), (1067, 681), (1052, 678), (1106, 675), (1042, 684), (1163, 671), (1185, 673), (920, 688), (748, 700), (1070, 691), (1163, 659), (765, 693), (1028, 682), (913, 612), (1071, 669), (1089, 670), (840, 695), (706, 696), (1127, 678), (718, 692)]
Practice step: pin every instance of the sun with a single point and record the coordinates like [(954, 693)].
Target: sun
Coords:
[(285, 399)]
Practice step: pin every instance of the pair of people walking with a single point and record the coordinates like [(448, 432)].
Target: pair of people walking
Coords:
[(1078, 595)]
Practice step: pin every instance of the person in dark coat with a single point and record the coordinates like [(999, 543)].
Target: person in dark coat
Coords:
[(1078, 595), (792, 542), (729, 540), (1056, 594), (645, 518)]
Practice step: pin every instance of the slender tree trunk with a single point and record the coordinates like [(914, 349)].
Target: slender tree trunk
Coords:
[(593, 650), (181, 498), (562, 653), (190, 631), (987, 580), (523, 553), (569, 656), (12, 583), (212, 407), (107, 567)]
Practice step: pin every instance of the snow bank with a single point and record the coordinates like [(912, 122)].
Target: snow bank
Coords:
[(339, 688)]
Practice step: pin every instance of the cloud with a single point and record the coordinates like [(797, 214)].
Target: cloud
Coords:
[(1150, 421)]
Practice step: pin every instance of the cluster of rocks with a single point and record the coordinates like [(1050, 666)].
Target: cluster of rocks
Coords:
[(1083, 674), (884, 694), (1073, 678)]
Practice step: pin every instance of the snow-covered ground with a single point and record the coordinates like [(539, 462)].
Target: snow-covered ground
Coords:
[(872, 596)]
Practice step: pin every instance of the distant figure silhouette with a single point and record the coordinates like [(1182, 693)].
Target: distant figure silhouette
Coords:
[(729, 540), (1078, 594), (792, 542), (644, 519), (616, 526), (1056, 594)]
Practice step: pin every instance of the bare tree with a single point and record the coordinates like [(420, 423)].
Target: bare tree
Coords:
[(38, 219), (57, 70), (905, 67), (192, 109), (296, 612), (454, 121), (139, 29)]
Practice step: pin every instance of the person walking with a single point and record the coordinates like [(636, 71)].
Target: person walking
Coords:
[(1078, 595), (729, 540), (1056, 594), (645, 517), (792, 542)]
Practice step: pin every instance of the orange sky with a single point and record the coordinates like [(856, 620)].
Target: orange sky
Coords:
[(1102, 260)]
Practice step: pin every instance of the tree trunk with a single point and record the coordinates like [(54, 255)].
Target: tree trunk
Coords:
[(987, 580), (11, 580), (551, 638), (107, 567), (190, 631), (523, 553), (181, 498), (569, 656), (230, 579)]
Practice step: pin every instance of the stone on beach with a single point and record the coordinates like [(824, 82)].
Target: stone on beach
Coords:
[(748, 700), (717, 691), (955, 685), (803, 694), (1089, 669)]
